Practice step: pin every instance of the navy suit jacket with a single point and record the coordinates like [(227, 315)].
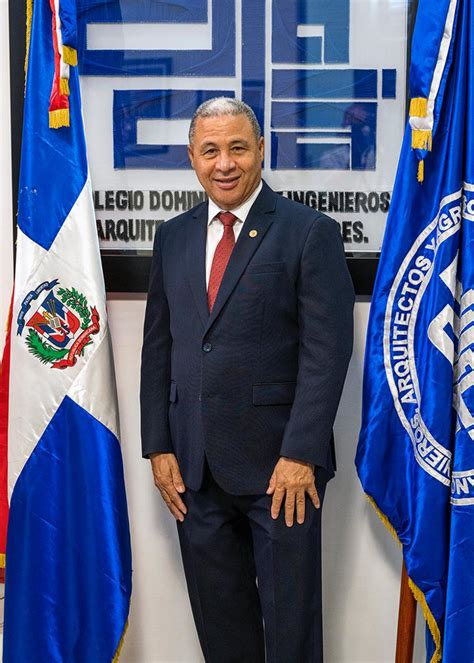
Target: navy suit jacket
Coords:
[(261, 376)]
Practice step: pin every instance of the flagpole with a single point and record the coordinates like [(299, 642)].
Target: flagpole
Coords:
[(406, 621)]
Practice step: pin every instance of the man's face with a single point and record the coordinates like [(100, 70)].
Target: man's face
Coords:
[(227, 158)]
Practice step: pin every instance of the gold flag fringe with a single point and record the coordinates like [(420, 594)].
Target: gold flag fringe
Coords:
[(64, 86), (3, 559), (421, 139), (418, 107), (70, 55), (8, 323), (120, 644), (59, 118), (384, 519), (430, 620), (417, 593), (421, 171), (29, 20)]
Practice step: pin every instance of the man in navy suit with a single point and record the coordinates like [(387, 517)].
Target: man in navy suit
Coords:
[(248, 335)]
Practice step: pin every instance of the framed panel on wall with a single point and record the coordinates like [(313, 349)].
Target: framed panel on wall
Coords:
[(326, 78)]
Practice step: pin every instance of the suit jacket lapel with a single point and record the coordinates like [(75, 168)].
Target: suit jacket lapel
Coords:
[(259, 219), (196, 260)]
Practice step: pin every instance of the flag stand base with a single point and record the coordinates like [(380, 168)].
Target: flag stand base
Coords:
[(406, 621)]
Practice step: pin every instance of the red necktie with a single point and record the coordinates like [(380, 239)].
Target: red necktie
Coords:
[(221, 256)]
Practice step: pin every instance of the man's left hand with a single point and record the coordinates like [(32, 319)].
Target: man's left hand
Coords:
[(290, 481)]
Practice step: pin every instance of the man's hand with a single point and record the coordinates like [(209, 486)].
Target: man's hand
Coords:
[(169, 482), (293, 478)]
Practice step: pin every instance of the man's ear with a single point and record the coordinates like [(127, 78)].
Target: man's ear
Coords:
[(261, 147), (190, 154)]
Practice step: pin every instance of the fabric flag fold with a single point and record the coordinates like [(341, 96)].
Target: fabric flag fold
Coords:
[(68, 557), (415, 457)]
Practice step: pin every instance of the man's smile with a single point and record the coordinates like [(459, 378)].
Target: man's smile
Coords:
[(227, 183)]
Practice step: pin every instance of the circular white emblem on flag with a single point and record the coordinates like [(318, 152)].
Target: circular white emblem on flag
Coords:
[(420, 339)]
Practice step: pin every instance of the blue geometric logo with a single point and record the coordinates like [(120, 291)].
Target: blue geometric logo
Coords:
[(318, 113)]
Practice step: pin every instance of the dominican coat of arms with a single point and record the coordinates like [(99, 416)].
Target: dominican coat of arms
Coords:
[(58, 324)]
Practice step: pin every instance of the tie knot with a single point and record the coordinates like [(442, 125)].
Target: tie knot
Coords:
[(227, 218)]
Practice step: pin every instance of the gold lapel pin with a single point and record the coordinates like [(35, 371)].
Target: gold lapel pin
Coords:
[(253, 233)]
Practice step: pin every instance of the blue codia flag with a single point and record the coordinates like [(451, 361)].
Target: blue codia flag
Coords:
[(416, 450), (68, 559)]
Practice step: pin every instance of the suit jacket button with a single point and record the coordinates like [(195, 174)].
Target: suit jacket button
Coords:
[(207, 347)]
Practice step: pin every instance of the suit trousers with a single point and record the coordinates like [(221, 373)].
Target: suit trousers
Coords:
[(254, 583)]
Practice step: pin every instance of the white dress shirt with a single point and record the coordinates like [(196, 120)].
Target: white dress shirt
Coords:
[(215, 228)]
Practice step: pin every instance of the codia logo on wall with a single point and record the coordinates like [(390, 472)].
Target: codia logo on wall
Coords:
[(430, 314), (329, 97), (59, 324), (290, 61)]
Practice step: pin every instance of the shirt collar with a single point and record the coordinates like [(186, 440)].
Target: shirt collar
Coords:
[(240, 212)]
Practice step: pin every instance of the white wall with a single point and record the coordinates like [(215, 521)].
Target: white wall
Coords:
[(361, 561)]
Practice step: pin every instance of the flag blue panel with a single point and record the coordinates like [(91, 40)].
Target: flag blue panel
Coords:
[(53, 174), (68, 546)]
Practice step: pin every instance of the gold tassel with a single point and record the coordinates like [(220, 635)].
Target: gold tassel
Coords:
[(417, 593), (120, 645), (430, 620), (64, 86), (421, 139), (59, 118), (70, 55), (418, 107), (2, 560), (421, 171), (29, 20), (384, 519)]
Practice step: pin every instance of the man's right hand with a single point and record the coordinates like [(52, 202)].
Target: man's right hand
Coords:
[(169, 482)]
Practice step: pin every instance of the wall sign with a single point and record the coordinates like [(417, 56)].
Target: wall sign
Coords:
[(326, 78)]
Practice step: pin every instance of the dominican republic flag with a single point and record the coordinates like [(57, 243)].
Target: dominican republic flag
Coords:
[(68, 559), (416, 450)]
